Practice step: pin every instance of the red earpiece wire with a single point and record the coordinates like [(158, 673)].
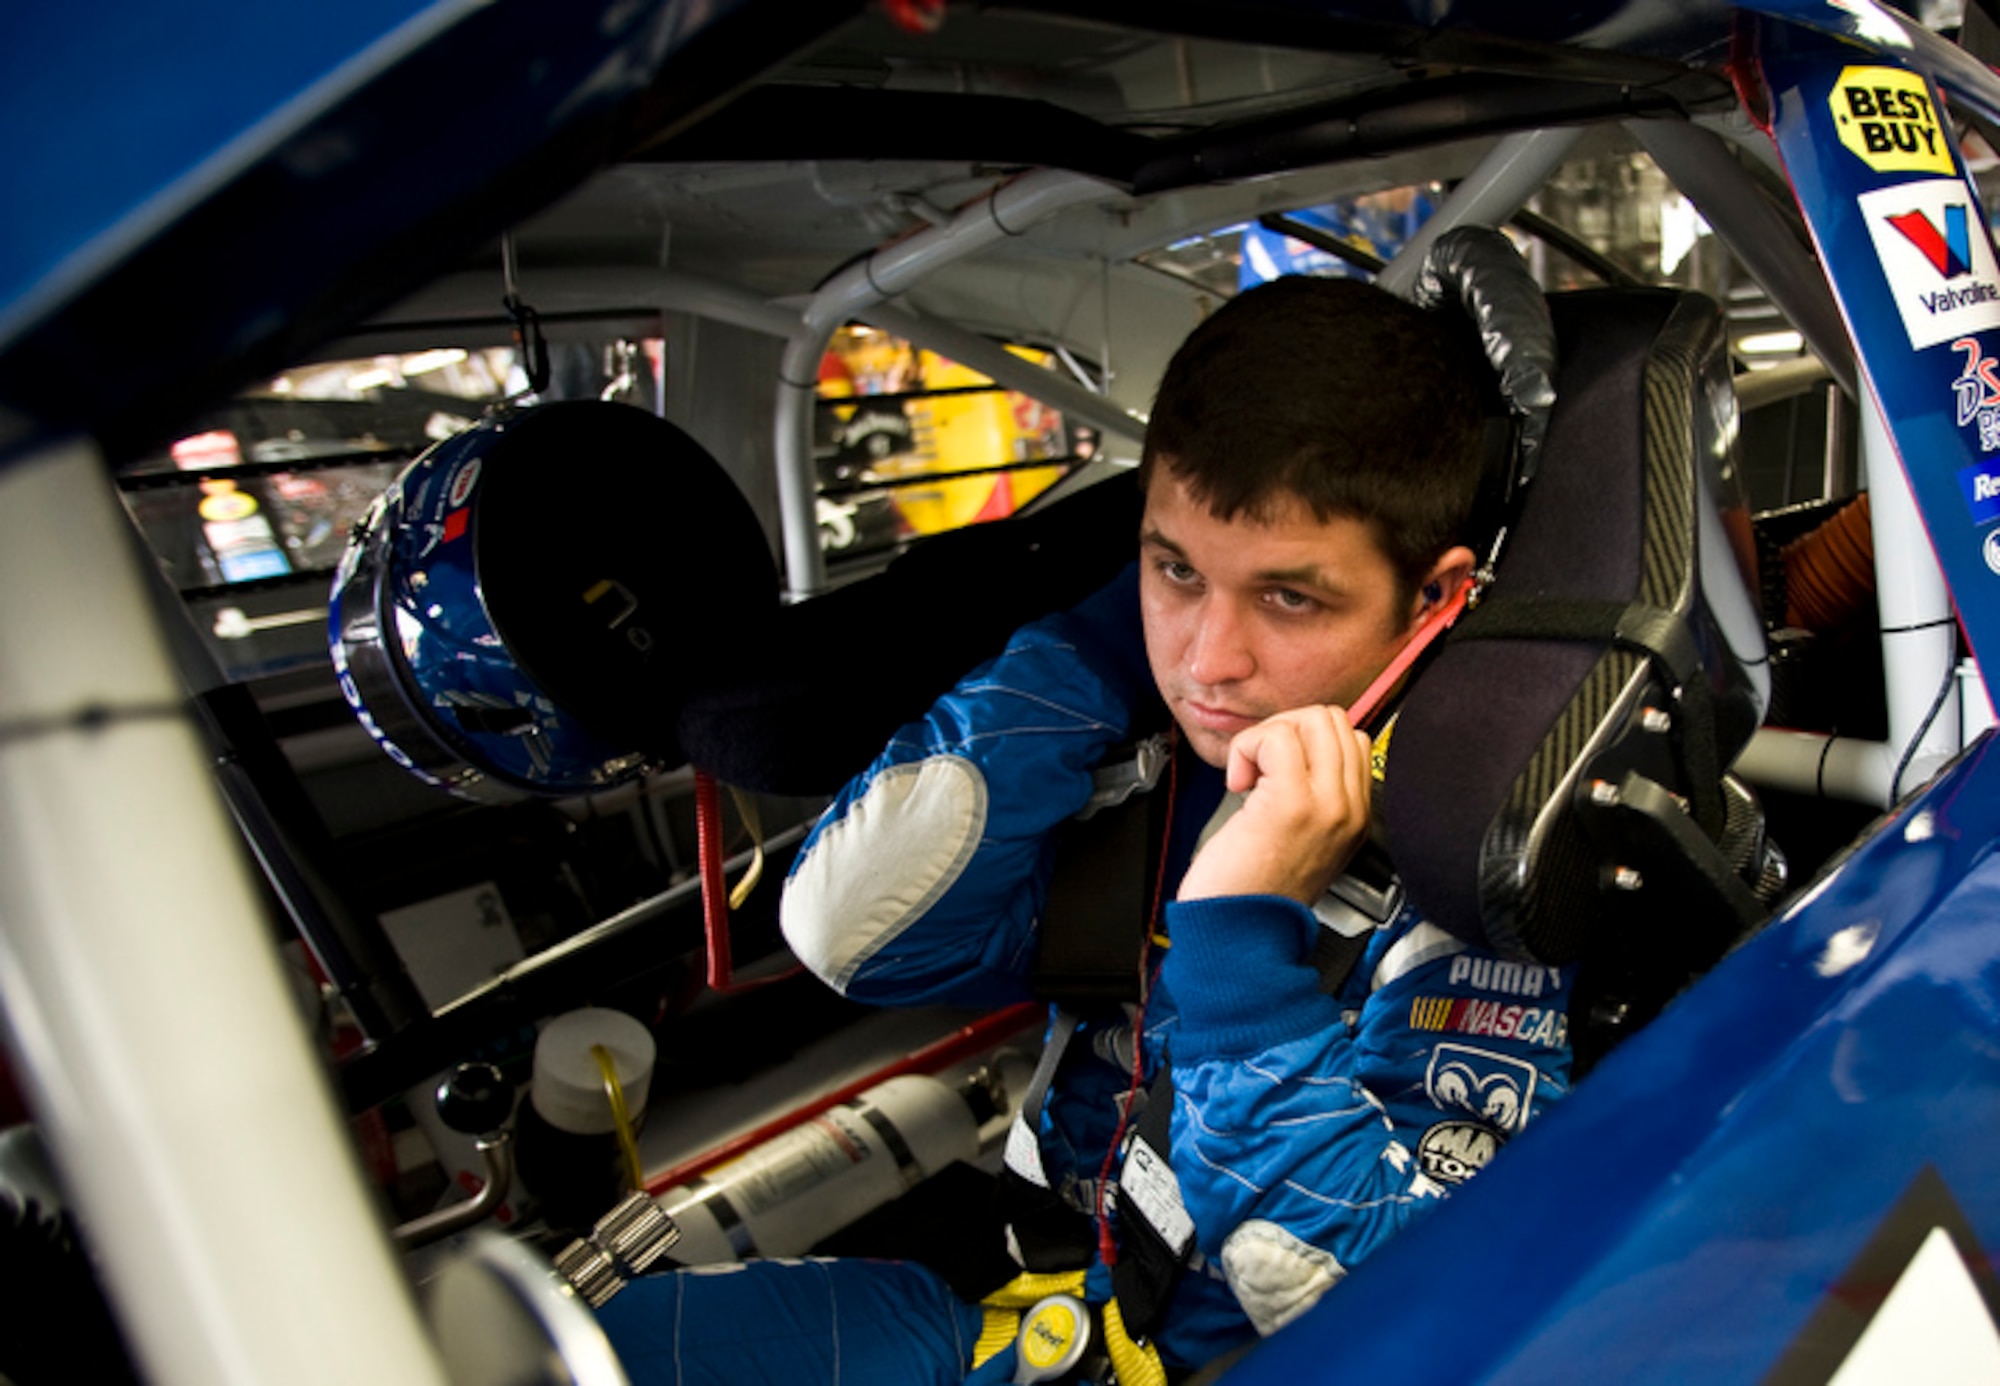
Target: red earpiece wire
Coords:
[(1436, 624)]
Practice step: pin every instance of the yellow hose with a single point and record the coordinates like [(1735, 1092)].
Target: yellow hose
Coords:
[(621, 1117), (746, 808)]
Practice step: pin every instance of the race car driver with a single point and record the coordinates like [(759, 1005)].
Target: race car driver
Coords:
[(1315, 1064)]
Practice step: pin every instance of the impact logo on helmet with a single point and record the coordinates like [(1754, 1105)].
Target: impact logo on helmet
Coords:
[(1451, 1152), (1492, 1087), (462, 483), (619, 612)]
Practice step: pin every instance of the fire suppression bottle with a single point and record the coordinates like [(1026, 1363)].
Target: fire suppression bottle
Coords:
[(782, 1197)]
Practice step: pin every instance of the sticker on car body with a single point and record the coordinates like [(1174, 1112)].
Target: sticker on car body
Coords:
[(1936, 257), (1885, 118)]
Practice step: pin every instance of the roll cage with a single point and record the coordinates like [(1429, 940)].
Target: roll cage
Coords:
[(654, 160)]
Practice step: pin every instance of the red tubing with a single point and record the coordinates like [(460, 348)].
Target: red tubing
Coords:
[(714, 890), (981, 1035), (715, 893)]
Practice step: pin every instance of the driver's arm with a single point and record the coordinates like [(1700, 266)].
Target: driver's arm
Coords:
[(924, 880), (1308, 1128)]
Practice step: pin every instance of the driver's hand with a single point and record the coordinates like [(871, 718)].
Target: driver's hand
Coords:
[(1305, 775)]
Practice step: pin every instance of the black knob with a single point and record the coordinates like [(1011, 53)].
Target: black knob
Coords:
[(475, 1098)]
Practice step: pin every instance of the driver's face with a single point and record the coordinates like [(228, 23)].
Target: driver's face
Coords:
[(1244, 619)]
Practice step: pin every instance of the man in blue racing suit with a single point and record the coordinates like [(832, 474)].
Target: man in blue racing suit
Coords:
[(1308, 472)]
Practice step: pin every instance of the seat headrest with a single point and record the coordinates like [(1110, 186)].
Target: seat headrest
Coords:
[(1634, 523)]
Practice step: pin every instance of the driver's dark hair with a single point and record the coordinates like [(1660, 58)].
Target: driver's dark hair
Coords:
[(1338, 393)]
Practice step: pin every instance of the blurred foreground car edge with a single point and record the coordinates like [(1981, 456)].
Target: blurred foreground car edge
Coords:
[(153, 1035)]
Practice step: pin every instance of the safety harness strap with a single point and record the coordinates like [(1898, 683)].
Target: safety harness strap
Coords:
[(1155, 1233), (1095, 916), (1050, 1235), (1661, 635)]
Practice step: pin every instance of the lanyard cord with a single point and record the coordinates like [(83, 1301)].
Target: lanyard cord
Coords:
[(1364, 707), (1107, 1249)]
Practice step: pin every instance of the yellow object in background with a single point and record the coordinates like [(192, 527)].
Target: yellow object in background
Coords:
[(949, 433)]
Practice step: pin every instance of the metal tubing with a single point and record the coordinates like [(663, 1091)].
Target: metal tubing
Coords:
[(632, 944), (587, 290), (1830, 767), (469, 1212), (144, 1004), (576, 289), (1919, 641), (1008, 210), (1919, 650), (1490, 194), (1005, 368), (285, 832), (1743, 216)]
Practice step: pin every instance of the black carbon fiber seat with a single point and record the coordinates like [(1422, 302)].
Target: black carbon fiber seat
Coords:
[(1555, 786)]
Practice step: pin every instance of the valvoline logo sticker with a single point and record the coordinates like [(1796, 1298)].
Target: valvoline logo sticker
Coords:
[(1981, 484), (1936, 257), (1884, 115)]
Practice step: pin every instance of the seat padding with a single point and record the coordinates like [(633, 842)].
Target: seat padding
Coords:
[(1498, 736)]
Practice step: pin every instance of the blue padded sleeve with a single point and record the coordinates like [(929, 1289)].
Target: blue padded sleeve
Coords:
[(924, 880)]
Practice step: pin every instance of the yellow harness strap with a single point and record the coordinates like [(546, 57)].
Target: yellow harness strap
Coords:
[(1030, 1288), (998, 1330), (1002, 1324), (1137, 1364)]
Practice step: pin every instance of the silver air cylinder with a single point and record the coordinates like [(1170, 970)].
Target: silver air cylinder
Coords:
[(782, 1197)]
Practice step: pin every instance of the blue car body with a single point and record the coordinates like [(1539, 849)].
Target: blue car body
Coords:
[(1736, 1193)]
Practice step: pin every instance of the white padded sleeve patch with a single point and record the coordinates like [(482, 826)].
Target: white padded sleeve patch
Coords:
[(1276, 1276), (874, 873), (1426, 943)]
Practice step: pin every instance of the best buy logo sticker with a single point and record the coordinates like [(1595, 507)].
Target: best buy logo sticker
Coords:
[(1885, 116)]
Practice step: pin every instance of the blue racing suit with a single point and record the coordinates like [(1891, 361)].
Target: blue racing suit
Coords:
[(1307, 1127)]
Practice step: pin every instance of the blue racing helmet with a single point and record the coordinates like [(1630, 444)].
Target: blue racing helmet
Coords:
[(523, 610)]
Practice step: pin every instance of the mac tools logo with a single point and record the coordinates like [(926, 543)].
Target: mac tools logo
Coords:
[(1936, 257)]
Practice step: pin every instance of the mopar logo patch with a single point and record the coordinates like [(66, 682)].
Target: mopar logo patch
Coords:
[(1883, 114), (1451, 1152), (1496, 1088)]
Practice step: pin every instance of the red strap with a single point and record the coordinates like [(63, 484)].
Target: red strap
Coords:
[(1436, 624), (715, 893)]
